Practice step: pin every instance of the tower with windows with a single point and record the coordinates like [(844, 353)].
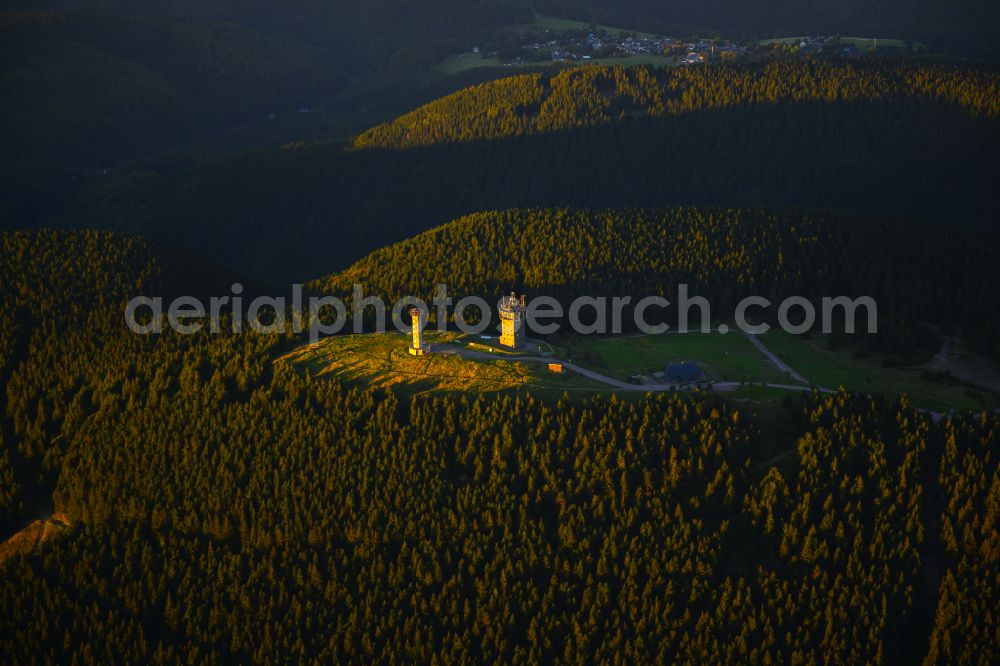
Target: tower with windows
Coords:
[(417, 346), (512, 310)]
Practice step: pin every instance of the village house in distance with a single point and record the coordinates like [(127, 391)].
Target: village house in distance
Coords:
[(512, 311)]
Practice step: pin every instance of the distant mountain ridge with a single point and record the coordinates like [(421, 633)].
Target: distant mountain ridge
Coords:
[(601, 94), (299, 212)]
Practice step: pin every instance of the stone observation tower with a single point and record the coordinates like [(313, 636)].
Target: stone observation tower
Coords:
[(512, 311), (417, 346)]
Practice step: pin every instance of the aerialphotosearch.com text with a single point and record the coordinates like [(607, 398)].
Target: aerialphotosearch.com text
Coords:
[(543, 315)]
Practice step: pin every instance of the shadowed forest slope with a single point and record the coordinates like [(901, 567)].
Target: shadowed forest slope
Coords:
[(306, 211), (934, 275)]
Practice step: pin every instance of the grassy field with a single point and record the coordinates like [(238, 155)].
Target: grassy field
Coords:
[(833, 369), (561, 25), (858, 42), (642, 59), (461, 62), (869, 42), (728, 357), (465, 61), (382, 361)]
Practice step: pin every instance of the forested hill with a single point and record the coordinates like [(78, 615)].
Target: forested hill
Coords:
[(64, 345), (226, 509), (308, 210), (599, 94), (915, 273)]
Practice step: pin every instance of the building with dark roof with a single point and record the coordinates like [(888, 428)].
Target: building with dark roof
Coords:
[(683, 372)]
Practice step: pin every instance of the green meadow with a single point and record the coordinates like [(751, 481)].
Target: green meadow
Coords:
[(561, 25), (461, 62), (381, 360), (833, 369), (728, 357)]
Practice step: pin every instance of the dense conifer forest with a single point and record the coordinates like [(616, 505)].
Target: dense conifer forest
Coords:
[(307, 210), (226, 508), (207, 498), (944, 277), (593, 95)]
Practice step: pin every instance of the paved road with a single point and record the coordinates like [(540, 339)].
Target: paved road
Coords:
[(604, 379), (784, 367), (777, 362), (973, 371), (804, 387)]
